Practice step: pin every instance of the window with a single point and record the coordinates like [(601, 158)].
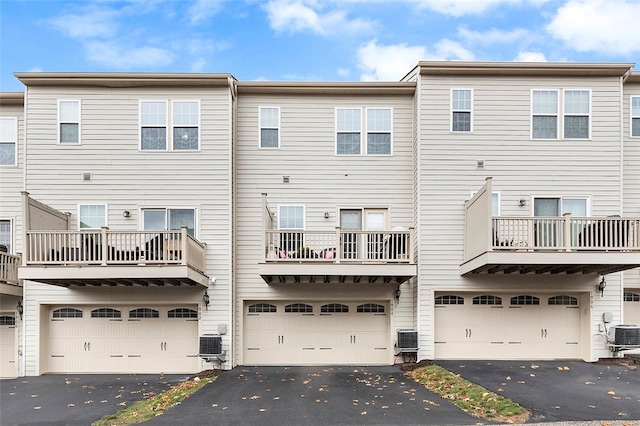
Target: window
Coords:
[(182, 313), (69, 122), (105, 313), (184, 125), (631, 297), (7, 320), (92, 216), (298, 308), (525, 300), (563, 300), (269, 127), (291, 218), (544, 121), (333, 308), (5, 234), (449, 299), (576, 114), (260, 308), (144, 313), (348, 128), (461, 103), (378, 131), (8, 141), (67, 313), (487, 299), (169, 220), (635, 116), (370, 308)]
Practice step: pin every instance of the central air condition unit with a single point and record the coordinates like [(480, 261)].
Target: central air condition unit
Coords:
[(624, 336), (407, 339), (210, 346)]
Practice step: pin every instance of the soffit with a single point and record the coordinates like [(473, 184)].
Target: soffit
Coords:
[(123, 80), (573, 69), (326, 88)]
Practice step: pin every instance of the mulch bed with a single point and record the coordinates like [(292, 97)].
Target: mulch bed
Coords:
[(207, 374), (628, 361)]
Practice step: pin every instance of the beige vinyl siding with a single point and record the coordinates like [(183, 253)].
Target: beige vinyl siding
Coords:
[(319, 180), (631, 165), (125, 178), (520, 167), (12, 178)]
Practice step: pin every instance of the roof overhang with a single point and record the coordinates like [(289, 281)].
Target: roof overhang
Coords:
[(327, 88), (119, 80), (572, 69), (11, 98)]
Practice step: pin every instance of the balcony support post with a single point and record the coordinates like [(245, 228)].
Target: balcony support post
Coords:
[(183, 244), (338, 246), (410, 243), (566, 237), (105, 245)]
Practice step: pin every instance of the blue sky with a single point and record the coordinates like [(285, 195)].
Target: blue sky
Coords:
[(318, 40)]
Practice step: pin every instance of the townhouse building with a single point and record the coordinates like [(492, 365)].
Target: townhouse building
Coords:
[(470, 210)]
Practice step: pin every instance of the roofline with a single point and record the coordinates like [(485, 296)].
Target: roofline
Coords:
[(574, 69), (634, 77), (330, 88), (123, 79), (11, 98)]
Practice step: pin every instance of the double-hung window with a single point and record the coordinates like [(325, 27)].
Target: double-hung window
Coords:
[(544, 120), (291, 225), (169, 125), (8, 141), (92, 216), (635, 116), (576, 114), (68, 121), (461, 109), (377, 129), (269, 127), (5, 234)]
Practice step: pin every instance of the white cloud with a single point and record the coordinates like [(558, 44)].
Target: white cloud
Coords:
[(604, 26), (198, 65), (306, 15), (391, 62), (344, 72), (94, 23), (494, 36), (530, 57), (201, 10), (115, 56)]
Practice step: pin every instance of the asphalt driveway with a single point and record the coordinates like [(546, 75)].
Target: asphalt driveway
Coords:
[(314, 396), (557, 391), (60, 399)]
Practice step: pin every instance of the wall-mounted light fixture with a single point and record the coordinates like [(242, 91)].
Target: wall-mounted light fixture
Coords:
[(20, 308), (397, 293), (126, 213), (601, 286), (205, 300), (522, 202), (326, 215)]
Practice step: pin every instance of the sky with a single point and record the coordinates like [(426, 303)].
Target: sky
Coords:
[(306, 40)]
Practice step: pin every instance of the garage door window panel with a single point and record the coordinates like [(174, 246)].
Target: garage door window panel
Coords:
[(563, 300), (144, 313), (182, 313), (448, 299), (67, 313), (106, 313), (298, 308), (631, 297), (259, 308), (370, 308), (487, 299), (333, 308), (7, 320), (524, 300)]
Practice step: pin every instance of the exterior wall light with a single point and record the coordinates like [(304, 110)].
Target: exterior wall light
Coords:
[(326, 215), (522, 202), (20, 308), (126, 213), (397, 293), (205, 300), (601, 286)]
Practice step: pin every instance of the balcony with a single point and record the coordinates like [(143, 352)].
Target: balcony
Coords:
[(107, 257), (546, 245), (336, 256), (9, 282)]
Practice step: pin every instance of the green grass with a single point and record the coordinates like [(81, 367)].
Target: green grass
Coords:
[(467, 396), (147, 409)]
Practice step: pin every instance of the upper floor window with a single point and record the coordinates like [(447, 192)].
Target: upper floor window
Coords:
[(184, 125), (635, 116), (461, 108), (5, 234), (290, 223), (544, 120), (576, 114), (92, 216), (269, 127), (69, 122), (377, 127), (8, 141), (169, 220)]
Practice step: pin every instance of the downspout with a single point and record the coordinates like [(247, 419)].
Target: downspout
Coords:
[(22, 368), (233, 92)]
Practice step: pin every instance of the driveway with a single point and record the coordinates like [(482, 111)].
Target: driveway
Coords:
[(74, 399), (314, 396), (560, 390)]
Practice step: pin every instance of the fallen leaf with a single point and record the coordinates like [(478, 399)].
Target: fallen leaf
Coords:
[(262, 409), (611, 393), (364, 413), (71, 405), (588, 383), (36, 408)]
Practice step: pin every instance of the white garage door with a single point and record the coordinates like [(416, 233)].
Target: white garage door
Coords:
[(99, 339), (632, 311), (316, 333), (502, 326), (8, 365)]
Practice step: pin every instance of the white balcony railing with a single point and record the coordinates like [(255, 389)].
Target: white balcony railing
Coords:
[(566, 233), (9, 268), (339, 246), (107, 247)]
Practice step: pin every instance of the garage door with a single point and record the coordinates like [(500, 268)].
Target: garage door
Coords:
[(503, 326), (8, 365), (311, 333), (632, 311), (100, 339)]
